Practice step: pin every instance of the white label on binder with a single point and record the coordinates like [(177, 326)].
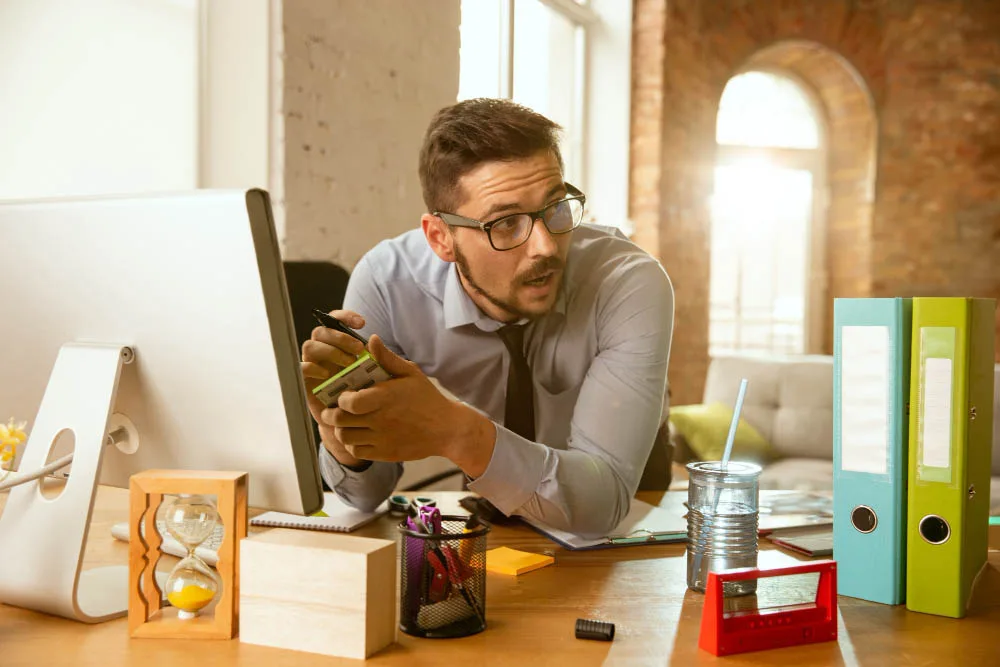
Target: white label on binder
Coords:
[(864, 399), (936, 424)]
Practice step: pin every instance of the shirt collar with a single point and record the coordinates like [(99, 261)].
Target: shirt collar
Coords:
[(460, 309)]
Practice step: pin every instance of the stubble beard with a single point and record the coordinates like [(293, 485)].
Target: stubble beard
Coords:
[(540, 268)]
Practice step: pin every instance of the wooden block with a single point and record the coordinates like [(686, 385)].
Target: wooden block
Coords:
[(318, 592)]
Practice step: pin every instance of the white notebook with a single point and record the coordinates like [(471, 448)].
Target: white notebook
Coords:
[(340, 517)]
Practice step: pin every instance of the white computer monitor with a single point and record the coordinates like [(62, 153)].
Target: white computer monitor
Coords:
[(190, 285)]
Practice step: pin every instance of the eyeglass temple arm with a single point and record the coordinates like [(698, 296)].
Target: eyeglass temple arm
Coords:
[(459, 221)]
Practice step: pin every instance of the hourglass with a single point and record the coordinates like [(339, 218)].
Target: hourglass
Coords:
[(192, 585), (179, 501)]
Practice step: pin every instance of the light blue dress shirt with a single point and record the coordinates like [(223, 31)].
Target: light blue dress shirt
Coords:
[(598, 361)]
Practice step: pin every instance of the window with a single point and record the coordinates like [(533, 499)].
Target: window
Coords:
[(559, 57), (762, 109), (766, 266)]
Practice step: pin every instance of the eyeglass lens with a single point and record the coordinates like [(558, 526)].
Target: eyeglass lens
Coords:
[(559, 218)]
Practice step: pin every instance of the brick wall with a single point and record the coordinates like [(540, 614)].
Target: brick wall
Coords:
[(360, 82), (932, 71), (645, 153)]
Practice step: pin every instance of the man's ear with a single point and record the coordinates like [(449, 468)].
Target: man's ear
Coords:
[(438, 237)]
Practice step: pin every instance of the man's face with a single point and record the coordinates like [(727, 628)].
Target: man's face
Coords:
[(523, 282)]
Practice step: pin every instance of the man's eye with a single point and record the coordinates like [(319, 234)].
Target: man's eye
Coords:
[(506, 226)]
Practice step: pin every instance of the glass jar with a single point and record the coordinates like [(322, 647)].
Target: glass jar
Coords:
[(722, 522)]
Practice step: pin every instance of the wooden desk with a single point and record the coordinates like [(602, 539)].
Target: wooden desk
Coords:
[(641, 589)]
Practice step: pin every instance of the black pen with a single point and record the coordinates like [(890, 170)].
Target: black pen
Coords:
[(331, 322)]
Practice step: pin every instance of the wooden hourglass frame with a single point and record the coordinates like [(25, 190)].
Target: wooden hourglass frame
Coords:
[(146, 615)]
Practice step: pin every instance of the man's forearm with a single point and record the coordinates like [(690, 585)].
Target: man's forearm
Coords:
[(572, 490), (471, 446)]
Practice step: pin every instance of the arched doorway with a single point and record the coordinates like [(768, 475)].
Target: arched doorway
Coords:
[(811, 86), (674, 150), (767, 217)]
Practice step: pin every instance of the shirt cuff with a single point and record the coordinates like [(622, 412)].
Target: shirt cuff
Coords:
[(334, 472), (330, 468), (514, 472)]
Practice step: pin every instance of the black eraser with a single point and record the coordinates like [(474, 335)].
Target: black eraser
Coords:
[(590, 629)]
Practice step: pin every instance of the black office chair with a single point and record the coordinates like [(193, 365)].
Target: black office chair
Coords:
[(313, 285)]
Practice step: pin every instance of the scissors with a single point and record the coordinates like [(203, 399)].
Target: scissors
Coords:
[(458, 575), (403, 505)]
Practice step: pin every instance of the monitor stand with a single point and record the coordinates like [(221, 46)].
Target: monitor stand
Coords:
[(42, 540)]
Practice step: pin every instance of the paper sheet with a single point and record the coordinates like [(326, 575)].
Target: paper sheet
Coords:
[(864, 399), (936, 422), (642, 519)]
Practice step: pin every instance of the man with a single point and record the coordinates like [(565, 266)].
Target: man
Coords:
[(554, 337)]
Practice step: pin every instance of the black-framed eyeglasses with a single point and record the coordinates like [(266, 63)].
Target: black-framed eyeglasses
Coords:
[(511, 231)]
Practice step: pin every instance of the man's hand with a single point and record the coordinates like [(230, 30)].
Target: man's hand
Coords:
[(324, 355), (407, 418)]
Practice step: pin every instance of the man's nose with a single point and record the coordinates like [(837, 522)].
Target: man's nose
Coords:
[(541, 243)]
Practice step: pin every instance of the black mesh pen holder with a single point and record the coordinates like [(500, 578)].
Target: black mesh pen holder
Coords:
[(442, 591)]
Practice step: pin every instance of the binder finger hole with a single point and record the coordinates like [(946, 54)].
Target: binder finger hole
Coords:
[(864, 519), (934, 529)]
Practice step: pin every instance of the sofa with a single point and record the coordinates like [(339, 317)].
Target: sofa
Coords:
[(789, 400)]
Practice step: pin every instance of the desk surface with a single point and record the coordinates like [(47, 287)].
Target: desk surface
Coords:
[(641, 589)]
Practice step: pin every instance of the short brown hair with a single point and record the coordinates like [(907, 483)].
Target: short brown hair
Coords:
[(464, 135)]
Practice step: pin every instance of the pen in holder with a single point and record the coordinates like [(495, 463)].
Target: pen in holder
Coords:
[(442, 577), (722, 515)]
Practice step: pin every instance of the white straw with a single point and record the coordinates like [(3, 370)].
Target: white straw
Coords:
[(725, 463), (734, 424)]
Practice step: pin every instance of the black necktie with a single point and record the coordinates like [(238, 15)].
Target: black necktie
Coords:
[(519, 411)]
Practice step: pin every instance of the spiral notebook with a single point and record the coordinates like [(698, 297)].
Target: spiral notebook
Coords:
[(336, 516)]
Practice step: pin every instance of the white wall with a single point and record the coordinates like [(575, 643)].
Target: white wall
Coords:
[(97, 96), (240, 97), (323, 103), (361, 80), (235, 93)]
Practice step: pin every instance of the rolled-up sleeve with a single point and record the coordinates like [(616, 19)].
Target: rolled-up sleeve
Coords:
[(586, 489), (365, 489)]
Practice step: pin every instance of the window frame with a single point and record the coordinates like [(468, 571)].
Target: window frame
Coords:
[(602, 104)]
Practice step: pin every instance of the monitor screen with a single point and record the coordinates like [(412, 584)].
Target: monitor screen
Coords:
[(193, 284)]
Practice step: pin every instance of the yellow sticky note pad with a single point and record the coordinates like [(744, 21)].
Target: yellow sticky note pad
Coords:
[(504, 560)]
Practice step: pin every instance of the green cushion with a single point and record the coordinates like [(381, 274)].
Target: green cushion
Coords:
[(706, 427)]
